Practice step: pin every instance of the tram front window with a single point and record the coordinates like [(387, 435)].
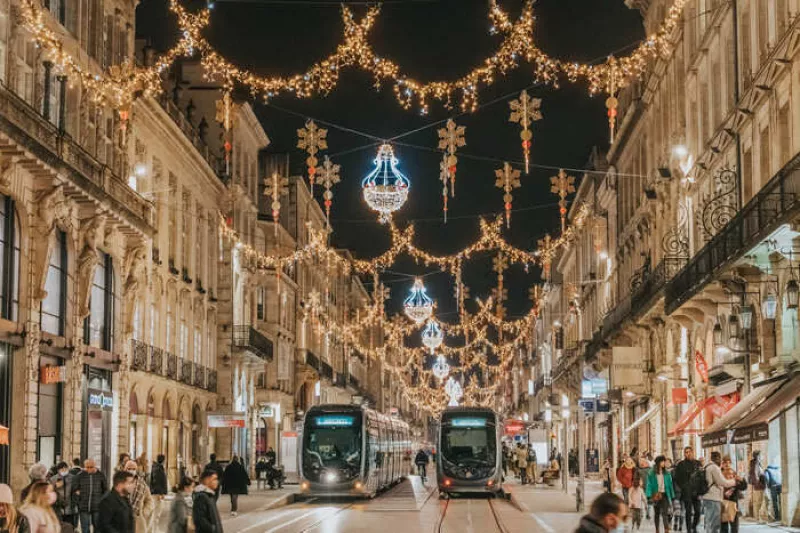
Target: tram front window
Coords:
[(468, 447), (332, 448)]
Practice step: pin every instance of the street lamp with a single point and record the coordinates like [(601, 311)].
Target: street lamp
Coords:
[(770, 305), (792, 294), (717, 333), (746, 316), (733, 328)]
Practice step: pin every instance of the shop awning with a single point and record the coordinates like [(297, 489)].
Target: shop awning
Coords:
[(717, 434), (687, 418), (754, 425), (3, 435), (644, 418)]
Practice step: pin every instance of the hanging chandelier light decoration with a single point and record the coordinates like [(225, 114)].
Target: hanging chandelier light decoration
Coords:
[(418, 306), (440, 368), (454, 391), (274, 188), (444, 180), (508, 180), (432, 336), (312, 139), (451, 138), (385, 188), (524, 111), (330, 177), (562, 185)]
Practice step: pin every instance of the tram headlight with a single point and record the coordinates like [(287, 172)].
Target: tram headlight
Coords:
[(331, 477), (358, 485), (304, 485)]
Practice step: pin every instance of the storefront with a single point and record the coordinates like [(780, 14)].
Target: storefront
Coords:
[(6, 394), (98, 406), (52, 375), (639, 433), (766, 420)]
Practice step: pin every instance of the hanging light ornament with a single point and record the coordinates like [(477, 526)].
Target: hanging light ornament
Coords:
[(330, 177), (312, 139), (562, 185), (432, 335), (508, 180), (440, 368), (385, 188), (443, 178), (454, 391), (523, 112), (451, 138), (418, 306), (611, 102), (225, 118), (275, 187)]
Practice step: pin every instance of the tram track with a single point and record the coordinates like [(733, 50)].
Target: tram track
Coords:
[(325, 518), (439, 527), (500, 526)]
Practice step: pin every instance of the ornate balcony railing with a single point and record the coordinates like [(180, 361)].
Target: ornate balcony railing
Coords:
[(192, 133), (774, 205), (544, 380), (156, 361), (569, 357), (249, 338)]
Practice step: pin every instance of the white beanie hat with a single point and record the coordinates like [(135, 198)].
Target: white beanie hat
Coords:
[(6, 496)]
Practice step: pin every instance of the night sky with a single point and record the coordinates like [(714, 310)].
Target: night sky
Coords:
[(431, 40)]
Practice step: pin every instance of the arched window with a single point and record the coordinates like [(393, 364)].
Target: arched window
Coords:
[(99, 325), (54, 305), (9, 259)]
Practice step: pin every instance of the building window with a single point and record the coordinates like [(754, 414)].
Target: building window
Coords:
[(184, 339), (260, 304), (137, 321), (198, 346), (9, 261), (26, 58), (4, 25), (170, 320), (54, 305), (99, 325), (153, 324)]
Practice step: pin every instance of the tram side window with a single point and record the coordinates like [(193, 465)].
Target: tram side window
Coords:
[(374, 451)]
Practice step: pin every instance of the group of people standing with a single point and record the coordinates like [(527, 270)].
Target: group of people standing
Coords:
[(521, 460)]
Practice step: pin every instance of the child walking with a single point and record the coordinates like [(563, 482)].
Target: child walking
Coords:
[(637, 502)]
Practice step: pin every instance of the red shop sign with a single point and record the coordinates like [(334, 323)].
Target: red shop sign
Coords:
[(701, 366)]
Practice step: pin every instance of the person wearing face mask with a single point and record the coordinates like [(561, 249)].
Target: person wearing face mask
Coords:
[(140, 499), (11, 521), (607, 513), (38, 508), (116, 514), (66, 506), (89, 486)]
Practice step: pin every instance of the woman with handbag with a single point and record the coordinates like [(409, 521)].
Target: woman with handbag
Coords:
[(180, 514), (659, 491), (730, 504)]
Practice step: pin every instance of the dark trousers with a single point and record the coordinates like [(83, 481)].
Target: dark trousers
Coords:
[(523, 474), (625, 491), (691, 512), (730, 527), (776, 504), (422, 471), (661, 513), (234, 503), (88, 520)]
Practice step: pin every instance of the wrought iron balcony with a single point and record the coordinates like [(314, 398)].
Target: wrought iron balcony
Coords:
[(156, 361), (544, 380), (569, 358), (774, 205), (186, 372), (250, 339), (211, 382)]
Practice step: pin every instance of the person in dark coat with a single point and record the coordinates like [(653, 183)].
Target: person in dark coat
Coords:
[(181, 511), (607, 512), (216, 467), (204, 504), (90, 485), (116, 513), (421, 460), (158, 477), (684, 471), (235, 482), (66, 507)]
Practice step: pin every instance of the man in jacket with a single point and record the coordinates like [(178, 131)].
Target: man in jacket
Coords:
[(65, 506), (216, 467), (712, 500), (235, 482), (683, 479), (116, 514), (204, 510), (607, 512), (158, 486), (775, 485), (90, 486), (421, 460), (757, 486)]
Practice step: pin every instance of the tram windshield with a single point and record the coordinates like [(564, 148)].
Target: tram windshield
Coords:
[(332, 442), (469, 440)]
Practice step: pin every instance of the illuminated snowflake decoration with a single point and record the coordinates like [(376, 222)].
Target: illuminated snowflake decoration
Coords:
[(440, 368), (454, 391), (432, 335), (385, 188), (418, 306)]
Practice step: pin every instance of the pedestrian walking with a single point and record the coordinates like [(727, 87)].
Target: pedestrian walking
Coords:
[(158, 486), (421, 460), (625, 475), (180, 514), (90, 486), (758, 484), (116, 514), (204, 504), (38, 508), (713, 495), (532, 466), (66, 507), (729, 518), (660, 492), (216, 467), (522, 463), (11, 520), (37, 472), (690, 501), (140, 499), (234, 483), (607, 513), (636, 501)]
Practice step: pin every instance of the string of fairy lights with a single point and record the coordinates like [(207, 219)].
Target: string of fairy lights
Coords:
[(472, 355)]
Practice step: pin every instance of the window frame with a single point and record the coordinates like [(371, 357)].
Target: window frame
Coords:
[(107, 340), (61, 249)]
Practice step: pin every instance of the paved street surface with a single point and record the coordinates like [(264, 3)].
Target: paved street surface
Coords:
[(411, 507)]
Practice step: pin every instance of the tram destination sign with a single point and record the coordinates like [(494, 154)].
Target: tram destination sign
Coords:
[(334, 421)]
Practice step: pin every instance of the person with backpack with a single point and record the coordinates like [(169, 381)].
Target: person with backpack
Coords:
[(775, 486), (757, 480), (710, 486), (421, 460), (684, 472)]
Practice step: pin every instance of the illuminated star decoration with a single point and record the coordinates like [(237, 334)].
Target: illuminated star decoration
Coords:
[(508, 180), (275, 187), (385, 188), (451, 138), (524, 111), (330, 177), (312, 139), (500, 265), (562, 185), (547, 250)]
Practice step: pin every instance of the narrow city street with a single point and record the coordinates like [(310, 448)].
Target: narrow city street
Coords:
[(412, 507)]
